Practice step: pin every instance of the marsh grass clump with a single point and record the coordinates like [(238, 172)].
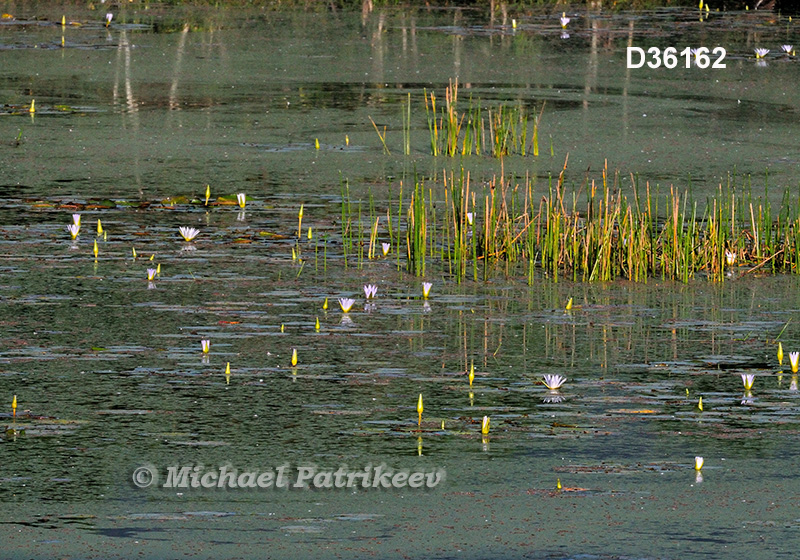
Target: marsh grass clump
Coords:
[(594, 232), (497, 131)]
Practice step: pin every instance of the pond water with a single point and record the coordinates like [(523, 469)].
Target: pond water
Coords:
[(133, 120)]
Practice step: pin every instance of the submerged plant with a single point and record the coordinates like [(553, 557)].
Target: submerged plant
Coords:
[(188, 233), (346, 304)]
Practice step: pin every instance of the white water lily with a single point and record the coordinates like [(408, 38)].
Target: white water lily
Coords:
[(346, 304), (426, 289), (76, 219), (747, 380), (73, 230), (205, 344), (730, 257), (564, 20), (370, 291), (698, 463), (188, 233), (470, 217), (241, 199), (151, 273), (788, 49), (793, 360), (385, 247), (554, 381), (761, 53)]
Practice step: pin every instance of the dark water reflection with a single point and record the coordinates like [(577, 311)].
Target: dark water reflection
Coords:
[(108, 369)]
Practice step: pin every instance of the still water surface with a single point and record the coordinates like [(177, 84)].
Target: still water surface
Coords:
[(107, 367)]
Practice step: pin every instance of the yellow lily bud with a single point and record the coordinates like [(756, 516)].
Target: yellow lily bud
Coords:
[(471, 373)]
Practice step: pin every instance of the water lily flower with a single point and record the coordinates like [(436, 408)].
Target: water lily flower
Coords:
[(761, 53), (426, 289), (346, 304), (73, 230), (76, 219), (208, 193), (780, 353), (700, 404), (294, 357), (316, 325), (730, 257), (470, 217), (419, 410), (205, 344), (14, 407), (109, 17), (325, 305), (788, 49), (151, 273), (698, 463), (747, 379), (485, 425), (95, 250), (241, 199), (370, 291), (554, 381), (188, 233), (564, 20), (386, 247), (793, 360)]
